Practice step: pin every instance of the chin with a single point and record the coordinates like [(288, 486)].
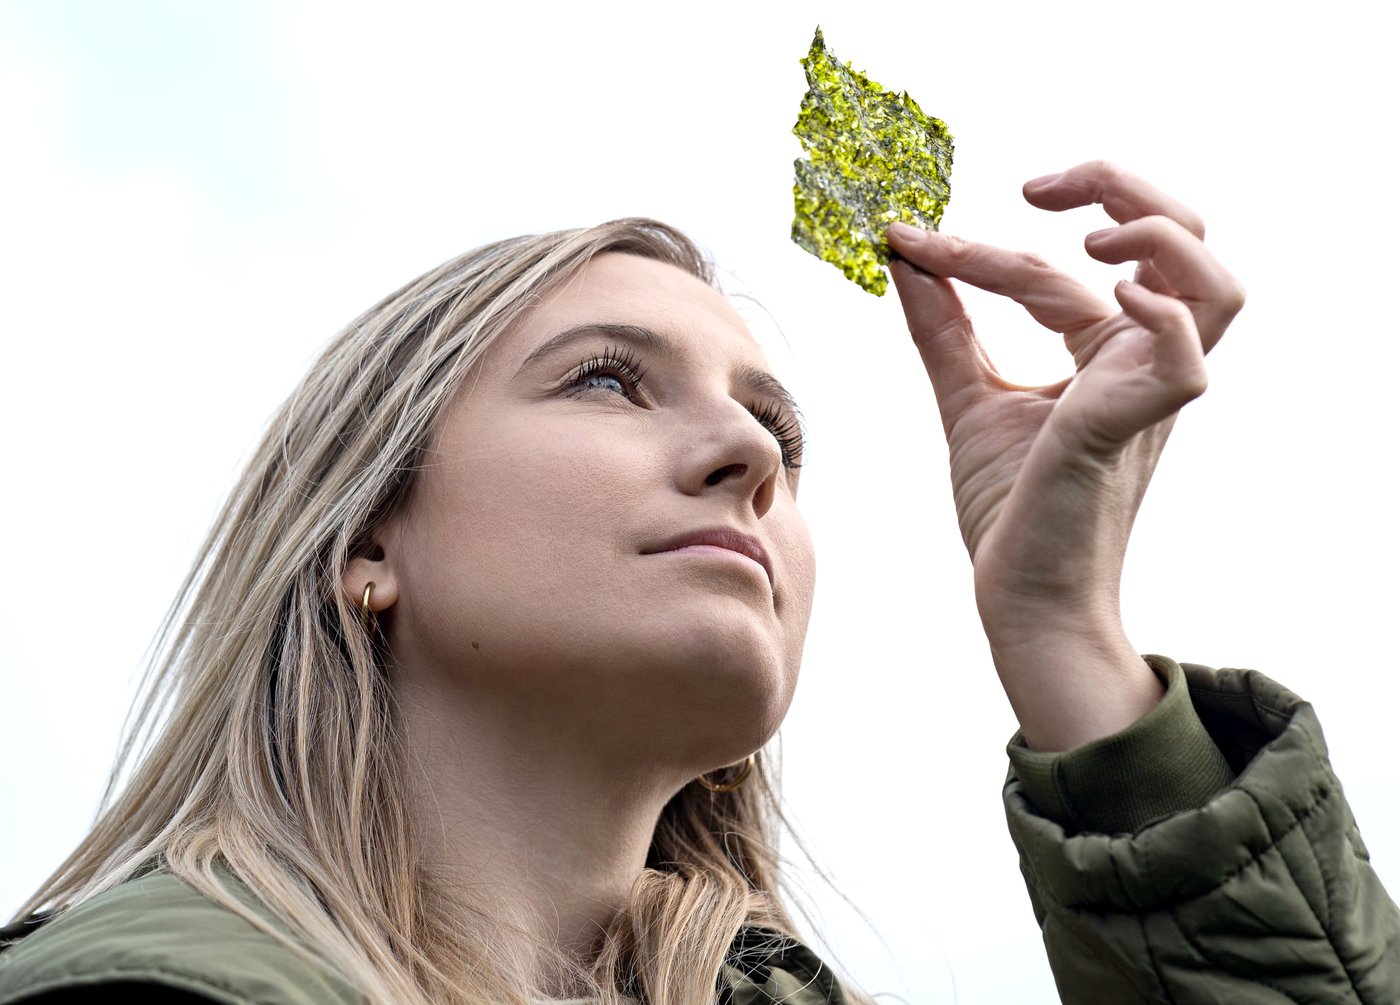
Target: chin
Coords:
[(728, 690)]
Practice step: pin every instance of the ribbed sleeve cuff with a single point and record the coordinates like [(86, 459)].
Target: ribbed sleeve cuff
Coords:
[(1164, 763)]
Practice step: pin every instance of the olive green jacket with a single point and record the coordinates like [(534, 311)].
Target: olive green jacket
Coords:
[(156, 940), (1205, 854)]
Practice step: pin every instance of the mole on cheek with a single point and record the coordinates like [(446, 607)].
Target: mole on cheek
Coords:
[(476, 645)]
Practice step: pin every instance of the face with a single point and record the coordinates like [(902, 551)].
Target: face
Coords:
[(529, 570)]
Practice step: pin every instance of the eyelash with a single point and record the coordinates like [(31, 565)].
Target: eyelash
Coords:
[(771, 415)]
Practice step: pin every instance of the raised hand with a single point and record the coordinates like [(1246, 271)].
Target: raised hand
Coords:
[(1047, 480)]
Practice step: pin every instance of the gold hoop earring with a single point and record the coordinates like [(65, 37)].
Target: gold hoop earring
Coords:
[(365, 612), (734, 783)]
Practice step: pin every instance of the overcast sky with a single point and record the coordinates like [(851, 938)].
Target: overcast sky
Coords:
[(197, 196)]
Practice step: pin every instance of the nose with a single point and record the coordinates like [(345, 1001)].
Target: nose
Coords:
[(741, 456)]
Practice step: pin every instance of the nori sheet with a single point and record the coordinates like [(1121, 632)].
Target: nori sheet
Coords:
[(873, 157)]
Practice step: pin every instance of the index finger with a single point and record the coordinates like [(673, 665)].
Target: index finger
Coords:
[(1123, 195), (1052, 297)]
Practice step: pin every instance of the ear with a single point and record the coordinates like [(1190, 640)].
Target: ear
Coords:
[(374, 567)]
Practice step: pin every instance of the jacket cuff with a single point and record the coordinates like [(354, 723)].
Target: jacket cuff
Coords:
[(1162, 764)]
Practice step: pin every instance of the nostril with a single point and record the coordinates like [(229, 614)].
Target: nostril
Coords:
[(721, 473)]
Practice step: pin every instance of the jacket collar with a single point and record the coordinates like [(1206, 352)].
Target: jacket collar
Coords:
[(766, 967)]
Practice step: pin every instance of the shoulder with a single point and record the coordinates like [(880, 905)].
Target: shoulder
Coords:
[(156, 932)]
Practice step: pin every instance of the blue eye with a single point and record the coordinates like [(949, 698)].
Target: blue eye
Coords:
[(597, 381), (622, 368), (610, 364)]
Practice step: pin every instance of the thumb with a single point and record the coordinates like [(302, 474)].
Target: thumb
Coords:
[(956, 363)]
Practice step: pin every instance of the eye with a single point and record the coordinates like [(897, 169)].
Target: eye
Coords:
[(611, 364), (785, 430), (621, 367)]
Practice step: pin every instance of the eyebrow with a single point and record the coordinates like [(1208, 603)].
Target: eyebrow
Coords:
[(751, 378)]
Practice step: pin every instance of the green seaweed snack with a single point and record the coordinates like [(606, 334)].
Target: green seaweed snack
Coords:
[(873, 157)]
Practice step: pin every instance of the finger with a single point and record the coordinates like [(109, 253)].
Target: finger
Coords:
[(1149, 367), (1124, 196), (1190, 271), (1177, 357), (1048, 295), (957, 365)]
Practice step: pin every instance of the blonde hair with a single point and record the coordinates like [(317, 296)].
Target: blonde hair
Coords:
[(265, 744)]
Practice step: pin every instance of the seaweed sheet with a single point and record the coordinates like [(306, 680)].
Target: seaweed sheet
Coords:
[(873, 157)]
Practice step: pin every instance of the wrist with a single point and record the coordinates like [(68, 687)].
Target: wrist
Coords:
[(1071, 688), (1014, 620)]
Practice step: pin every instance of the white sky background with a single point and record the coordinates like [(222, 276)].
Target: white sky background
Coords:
[(196, 197)]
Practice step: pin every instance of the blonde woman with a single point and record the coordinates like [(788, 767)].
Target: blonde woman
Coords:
[(466, 697)]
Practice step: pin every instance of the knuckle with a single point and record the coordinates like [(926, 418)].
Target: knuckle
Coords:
[(1158, 225), (1233, 300), (954, 251), (1148, 233), (1029, 261), (1103, 170), (1182, 380), (959, 327), (1170, 317), (938, 335), (1104, 176), (957, 247), (1167, 231), (1193, 384), (1182, 316)]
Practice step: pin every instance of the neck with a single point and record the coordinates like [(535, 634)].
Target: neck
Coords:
[(532, 818)]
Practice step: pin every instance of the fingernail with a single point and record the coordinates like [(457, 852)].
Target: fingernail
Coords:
[(1099, 235), (1044, 181), (904, 232)]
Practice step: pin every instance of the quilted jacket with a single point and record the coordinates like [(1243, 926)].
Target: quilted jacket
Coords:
[(1205, 854), (1153, 883)]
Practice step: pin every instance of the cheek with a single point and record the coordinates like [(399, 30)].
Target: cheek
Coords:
[(504, 536), (800, 569), (518, 514)]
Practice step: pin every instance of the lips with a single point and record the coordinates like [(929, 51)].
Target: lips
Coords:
[(721, 537)]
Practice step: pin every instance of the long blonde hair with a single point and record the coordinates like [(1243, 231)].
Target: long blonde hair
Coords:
[(265, 745)]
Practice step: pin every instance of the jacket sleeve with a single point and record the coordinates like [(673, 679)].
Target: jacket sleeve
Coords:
[(1205, 854)]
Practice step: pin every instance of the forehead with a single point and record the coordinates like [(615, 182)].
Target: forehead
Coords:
[(628, 289)]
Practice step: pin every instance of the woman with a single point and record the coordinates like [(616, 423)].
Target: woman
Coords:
[(465, 697)]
